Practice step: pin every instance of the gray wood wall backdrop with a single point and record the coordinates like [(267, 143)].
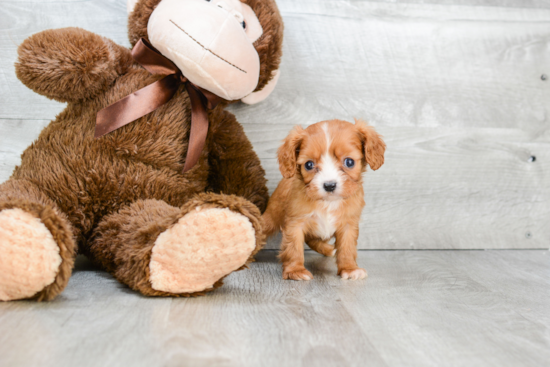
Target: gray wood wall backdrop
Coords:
[(455, 86)]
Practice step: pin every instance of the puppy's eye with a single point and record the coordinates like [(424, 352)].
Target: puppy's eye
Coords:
[(348, 162), (309, 165)]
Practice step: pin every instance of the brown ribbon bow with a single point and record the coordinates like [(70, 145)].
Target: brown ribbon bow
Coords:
[(151, 97)]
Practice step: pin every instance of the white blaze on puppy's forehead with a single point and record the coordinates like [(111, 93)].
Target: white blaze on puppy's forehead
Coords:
[(329, 170), (327, 136)]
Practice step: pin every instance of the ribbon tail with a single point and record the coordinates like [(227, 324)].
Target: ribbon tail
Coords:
[(199, 128), (136, 105), (210, 99)]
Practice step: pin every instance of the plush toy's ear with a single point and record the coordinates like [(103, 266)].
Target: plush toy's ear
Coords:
[(259, 96), (270, 44), (373, 144), (131, 5), (288, 152)]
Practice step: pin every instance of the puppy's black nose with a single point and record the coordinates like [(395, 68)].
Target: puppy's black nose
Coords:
[(329, 186)]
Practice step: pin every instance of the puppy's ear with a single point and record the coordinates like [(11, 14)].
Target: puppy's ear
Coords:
[(373, 145), (288, 152)]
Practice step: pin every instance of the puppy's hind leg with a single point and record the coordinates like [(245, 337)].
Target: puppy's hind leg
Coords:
[(269, 226), (320, 246)]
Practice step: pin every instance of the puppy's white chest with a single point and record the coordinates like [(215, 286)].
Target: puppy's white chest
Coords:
[(324, 224)]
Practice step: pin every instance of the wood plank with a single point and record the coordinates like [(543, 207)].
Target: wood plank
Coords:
[(417, 308)]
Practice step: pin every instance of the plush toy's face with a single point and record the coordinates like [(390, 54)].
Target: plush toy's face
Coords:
[(212, 42)]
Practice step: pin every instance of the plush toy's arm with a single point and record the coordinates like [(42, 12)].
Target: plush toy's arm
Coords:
[(234, 166), (70, 64)]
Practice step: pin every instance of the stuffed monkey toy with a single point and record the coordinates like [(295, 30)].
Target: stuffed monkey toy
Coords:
[(126, 196)]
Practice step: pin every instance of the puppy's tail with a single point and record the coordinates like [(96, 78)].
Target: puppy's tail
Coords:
[(269, 226)]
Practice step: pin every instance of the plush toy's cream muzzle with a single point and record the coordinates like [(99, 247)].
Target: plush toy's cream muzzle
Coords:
[(211, 42)]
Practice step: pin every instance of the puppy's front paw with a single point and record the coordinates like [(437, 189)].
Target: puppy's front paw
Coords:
[(354, 274), (297, 274)]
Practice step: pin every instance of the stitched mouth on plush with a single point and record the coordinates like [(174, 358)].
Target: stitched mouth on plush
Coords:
[(214, 51)]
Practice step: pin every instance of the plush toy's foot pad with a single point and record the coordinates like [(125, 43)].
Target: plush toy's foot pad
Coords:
[(200, 249), (29, 256)]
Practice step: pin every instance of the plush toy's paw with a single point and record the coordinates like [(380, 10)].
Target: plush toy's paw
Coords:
[(200, 249), (353, 274), (29, 256)]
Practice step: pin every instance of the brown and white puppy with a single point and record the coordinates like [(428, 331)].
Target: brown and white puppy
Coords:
[(321, 194)]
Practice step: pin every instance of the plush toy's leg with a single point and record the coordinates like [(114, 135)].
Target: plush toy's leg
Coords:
[(37, 248), (161, 250)]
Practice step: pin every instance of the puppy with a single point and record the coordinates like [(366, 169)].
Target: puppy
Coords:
[(321, 193)]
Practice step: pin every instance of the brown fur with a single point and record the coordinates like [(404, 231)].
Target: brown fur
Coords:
[(125, 187), (123, 241), (297, 201)]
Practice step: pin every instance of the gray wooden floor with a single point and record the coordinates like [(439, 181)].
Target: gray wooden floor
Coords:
[(417, 308)]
